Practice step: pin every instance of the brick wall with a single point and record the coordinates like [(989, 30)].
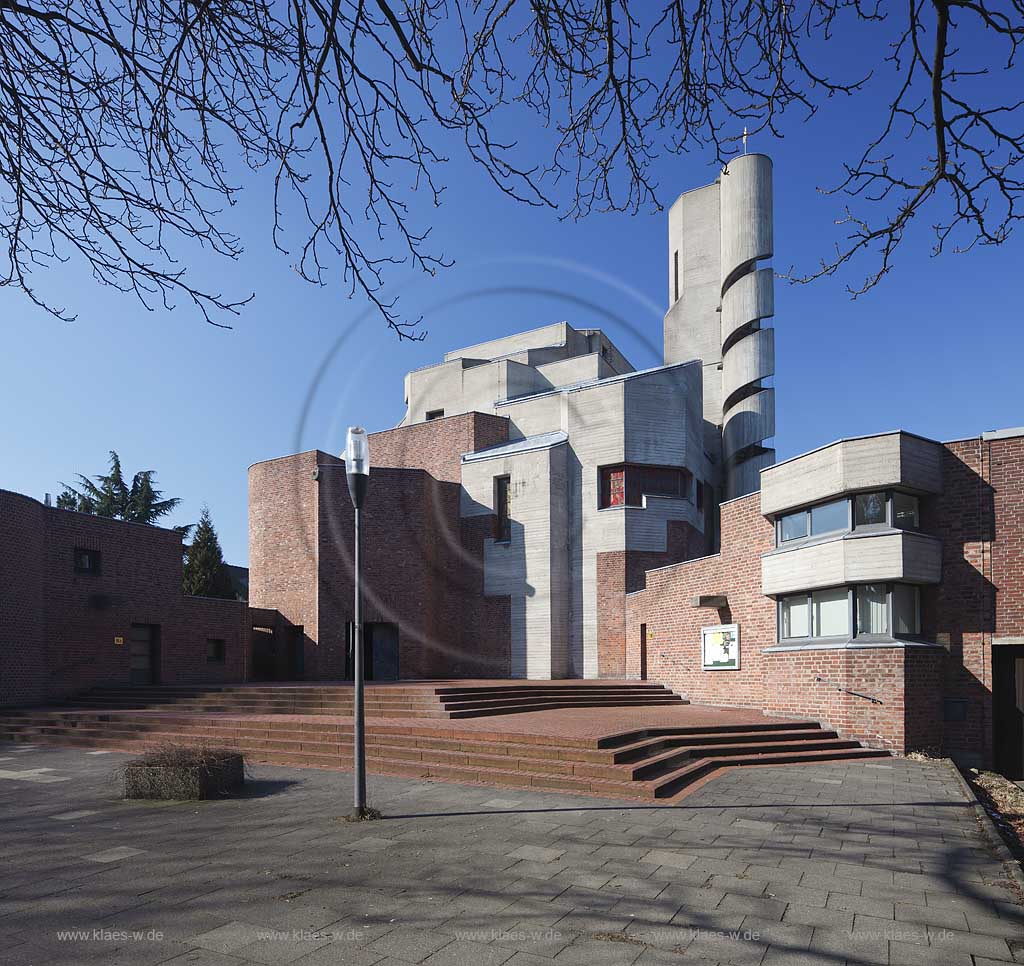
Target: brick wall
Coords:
[(622, 572), (437, 445), (1006, 472), (674, 625), (283, 543), (781, 683), (906, 682), (58, 629), (22, 622), (422, 564), (980, 517)]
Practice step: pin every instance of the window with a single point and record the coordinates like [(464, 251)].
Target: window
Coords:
[(905, 511), (830, 517), (434, 414), (831, 612), (613, 487), (700, 495), (656, 481), (826, 613), (869, 509), (906, 610), (214, 650), (872, 609), (627, 485), (502, 519), (954, 709), (823, 613), (87, 561), (793, 526), (795, 617), (675, 271)]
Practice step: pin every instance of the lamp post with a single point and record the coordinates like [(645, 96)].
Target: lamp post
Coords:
[(357, 469)]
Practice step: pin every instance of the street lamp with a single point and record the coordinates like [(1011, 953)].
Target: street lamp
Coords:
[(357, 469)]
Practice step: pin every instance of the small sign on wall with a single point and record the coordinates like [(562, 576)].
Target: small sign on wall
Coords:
[(118, 642), (720, 647)]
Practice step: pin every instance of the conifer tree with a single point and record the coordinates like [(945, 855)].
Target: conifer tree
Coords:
[(205, 573), (109, 495)]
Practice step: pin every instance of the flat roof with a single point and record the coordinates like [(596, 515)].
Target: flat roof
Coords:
[(850, 439), (594, 383), (525, 445)]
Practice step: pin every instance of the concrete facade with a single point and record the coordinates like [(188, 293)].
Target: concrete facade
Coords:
[(720, 294)]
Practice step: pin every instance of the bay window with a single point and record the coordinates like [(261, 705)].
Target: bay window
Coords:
[(880, 610), (627, 484), (876, 509)]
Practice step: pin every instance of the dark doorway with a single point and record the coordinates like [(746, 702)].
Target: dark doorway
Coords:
[(296, 652), (144, 654), (1008, 709), (643, 652), (380, 651), (264, 659)]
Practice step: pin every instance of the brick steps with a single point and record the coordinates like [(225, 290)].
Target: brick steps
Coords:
[(646, 764), (381, 700)]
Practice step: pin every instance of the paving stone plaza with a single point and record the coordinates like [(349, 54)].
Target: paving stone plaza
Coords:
[(851, 862)]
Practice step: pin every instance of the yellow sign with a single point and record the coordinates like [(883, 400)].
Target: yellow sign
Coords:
[(118, 642)]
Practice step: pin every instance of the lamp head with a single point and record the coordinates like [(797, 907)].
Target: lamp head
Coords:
[(357, 452)]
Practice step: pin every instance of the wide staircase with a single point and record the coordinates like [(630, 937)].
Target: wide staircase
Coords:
[(462, 700), (645, 763)]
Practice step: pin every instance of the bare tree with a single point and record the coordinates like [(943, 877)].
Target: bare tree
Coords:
[(127, 127)]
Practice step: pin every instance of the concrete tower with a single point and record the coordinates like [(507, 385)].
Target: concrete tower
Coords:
[(718, 300)]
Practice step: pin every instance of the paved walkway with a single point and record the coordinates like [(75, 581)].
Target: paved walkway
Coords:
[(845, 863)]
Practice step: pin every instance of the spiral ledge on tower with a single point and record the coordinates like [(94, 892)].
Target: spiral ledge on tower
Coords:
[(747, 299)]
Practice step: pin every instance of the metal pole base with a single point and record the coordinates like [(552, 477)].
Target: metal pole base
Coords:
[(363, 814)]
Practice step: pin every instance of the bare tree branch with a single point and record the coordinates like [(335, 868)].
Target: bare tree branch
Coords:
[(126, 127)]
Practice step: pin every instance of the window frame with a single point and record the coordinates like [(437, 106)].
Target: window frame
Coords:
[(889, 497), (94, 555), (853, 613), (634, 483), (916, 528)]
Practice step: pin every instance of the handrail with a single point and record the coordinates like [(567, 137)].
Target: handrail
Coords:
[(856, 694)]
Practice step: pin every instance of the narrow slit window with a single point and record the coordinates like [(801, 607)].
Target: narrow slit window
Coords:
[(502, 506)]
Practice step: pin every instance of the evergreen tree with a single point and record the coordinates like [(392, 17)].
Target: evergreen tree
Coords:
[(108, 495), (205, 573)]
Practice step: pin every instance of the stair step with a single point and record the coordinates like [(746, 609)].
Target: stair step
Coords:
[(646, 748), (674, 783)]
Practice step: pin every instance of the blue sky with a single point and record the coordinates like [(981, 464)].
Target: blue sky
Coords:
[(935, 349)]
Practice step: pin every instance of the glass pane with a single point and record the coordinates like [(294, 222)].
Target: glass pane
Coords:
[(616, 487), (831, 612), (660, 482), (795, 617), (904, 511), (868, 509), (829, 517), (871, 609), (904, 609), (794, 526)]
